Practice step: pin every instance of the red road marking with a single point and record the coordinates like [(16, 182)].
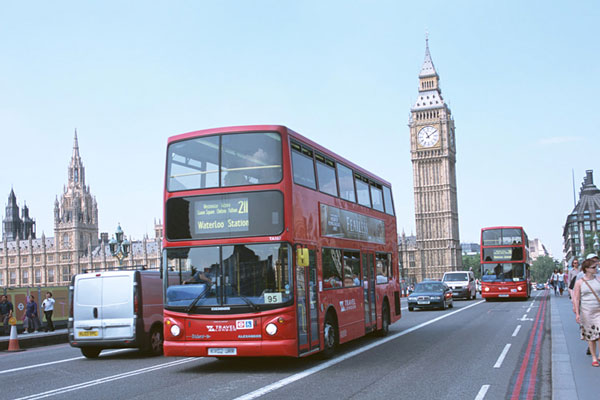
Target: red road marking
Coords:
[(523, 370), (531, 388)]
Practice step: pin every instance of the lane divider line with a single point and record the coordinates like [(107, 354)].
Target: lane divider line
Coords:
[(502, 356), (94, 382), (56, 362), (517, 329), (293, 378), (536, 359), (482, 392)]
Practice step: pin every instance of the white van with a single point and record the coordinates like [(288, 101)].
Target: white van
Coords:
[(116, 309), (462, 284)]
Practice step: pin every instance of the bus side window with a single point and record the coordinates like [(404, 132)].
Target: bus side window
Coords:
[(332, 268), (303, 166)]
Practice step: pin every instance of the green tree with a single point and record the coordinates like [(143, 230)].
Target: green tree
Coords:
[(542, 268), (472, 262)]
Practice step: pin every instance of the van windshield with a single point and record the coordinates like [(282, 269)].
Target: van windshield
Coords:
[(456, 277)]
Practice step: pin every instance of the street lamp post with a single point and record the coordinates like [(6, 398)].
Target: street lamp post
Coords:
[(119, 248)]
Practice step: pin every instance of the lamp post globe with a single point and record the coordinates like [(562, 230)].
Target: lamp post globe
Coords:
[(119, 248)]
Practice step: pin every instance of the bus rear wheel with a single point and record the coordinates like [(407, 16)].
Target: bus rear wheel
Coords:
[(385, 321), (330, 336)]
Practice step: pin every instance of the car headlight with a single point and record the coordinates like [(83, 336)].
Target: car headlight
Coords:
[(175, 330), (412, 299), (271, 329)]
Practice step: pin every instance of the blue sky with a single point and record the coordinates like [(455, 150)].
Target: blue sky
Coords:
[(520, 78)]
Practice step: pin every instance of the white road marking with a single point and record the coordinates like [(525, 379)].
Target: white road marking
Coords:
[(293, 378), (502, 356), (83, 385), (56, 362), (517, 329), (482, 392)]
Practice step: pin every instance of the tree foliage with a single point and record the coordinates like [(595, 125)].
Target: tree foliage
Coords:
[(542, 268), (472, 262)]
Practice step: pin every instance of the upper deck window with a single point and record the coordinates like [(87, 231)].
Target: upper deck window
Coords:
[(346, 183), (500, 237), (224, 160), (377, 196), (326, 175), (304, 168), (387, 198), (362, 190)]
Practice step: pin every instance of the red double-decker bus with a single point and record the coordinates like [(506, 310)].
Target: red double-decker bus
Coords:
[(273, 246), (505, 263)]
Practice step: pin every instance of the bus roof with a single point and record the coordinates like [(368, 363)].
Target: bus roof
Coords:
[(502, 227), (281, 129)]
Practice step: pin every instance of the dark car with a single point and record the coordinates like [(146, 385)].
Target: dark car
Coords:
[(540, 286), (430, 294)]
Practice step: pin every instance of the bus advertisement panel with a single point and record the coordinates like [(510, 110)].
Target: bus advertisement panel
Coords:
[(274, 246), (504, 263)]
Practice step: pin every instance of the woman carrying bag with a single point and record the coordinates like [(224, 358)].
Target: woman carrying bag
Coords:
[(586, 304)]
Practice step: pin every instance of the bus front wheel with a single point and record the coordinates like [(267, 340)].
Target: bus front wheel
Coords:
[(330, 336), (385, 321)]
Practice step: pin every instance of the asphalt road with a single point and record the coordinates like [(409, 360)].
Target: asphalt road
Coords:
[(477, 350)]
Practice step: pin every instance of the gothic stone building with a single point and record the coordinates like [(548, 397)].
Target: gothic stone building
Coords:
[(76, 245), (14, 226), (433, 155), (582, 224)]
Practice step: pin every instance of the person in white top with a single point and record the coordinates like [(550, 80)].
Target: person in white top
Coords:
[(48, 307), (554, 281)]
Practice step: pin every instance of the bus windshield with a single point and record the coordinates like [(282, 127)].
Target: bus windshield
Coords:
[(224, 160), (503, 272), (255, 276)]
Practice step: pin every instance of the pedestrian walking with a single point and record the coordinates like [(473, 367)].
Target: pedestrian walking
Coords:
[(573, 276), (562, 278), (6, 311), (48, 307), (586, 304), (554, 281), (31, 312)]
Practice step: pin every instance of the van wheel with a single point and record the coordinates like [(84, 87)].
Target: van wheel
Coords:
[(91, 352), (385, 321), (330, 336), (155, 342)]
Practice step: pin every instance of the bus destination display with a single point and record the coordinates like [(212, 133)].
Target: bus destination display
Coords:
[(221, 215)]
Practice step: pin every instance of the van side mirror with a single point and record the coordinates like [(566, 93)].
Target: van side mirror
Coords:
[(302, 256)]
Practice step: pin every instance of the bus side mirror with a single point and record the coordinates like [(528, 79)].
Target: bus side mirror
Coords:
[(302, 256)]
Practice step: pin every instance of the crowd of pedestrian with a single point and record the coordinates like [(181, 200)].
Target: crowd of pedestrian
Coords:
[(584, 289), (31, 320)]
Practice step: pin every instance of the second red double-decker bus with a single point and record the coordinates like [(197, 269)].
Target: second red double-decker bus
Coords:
[(505, 263), (273, 246)]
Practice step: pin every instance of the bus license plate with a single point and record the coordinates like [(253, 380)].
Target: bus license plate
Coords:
[(87, 333), (222, 351), (423, 302), (502, 295)]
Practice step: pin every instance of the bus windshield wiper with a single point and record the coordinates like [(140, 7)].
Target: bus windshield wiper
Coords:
[(197, 299), (246, 300)]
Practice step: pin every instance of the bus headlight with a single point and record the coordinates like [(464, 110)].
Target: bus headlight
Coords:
[(175, 330), (487, 289), (271, 329), (519, 288)]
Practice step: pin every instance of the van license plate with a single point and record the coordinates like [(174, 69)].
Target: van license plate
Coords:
[(87, 333), (222, 351)]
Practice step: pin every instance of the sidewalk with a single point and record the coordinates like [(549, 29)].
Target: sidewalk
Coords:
[(573, 376), (29, 340)]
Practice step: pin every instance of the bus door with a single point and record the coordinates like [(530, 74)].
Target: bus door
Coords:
[(368, 280), (306, 304)]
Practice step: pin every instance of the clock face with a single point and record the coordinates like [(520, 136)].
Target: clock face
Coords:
[(428, 136)]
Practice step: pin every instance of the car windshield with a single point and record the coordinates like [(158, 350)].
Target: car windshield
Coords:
[(505, 272), (252, 276), (456, 277), (428, 287)]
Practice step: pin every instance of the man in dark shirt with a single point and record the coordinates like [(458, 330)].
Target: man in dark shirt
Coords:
[(6, 311)]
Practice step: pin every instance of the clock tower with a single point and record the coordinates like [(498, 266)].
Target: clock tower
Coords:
[(433, 155)]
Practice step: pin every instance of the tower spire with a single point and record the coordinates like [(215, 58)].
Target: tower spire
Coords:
[(75, 146), (427, 69)]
